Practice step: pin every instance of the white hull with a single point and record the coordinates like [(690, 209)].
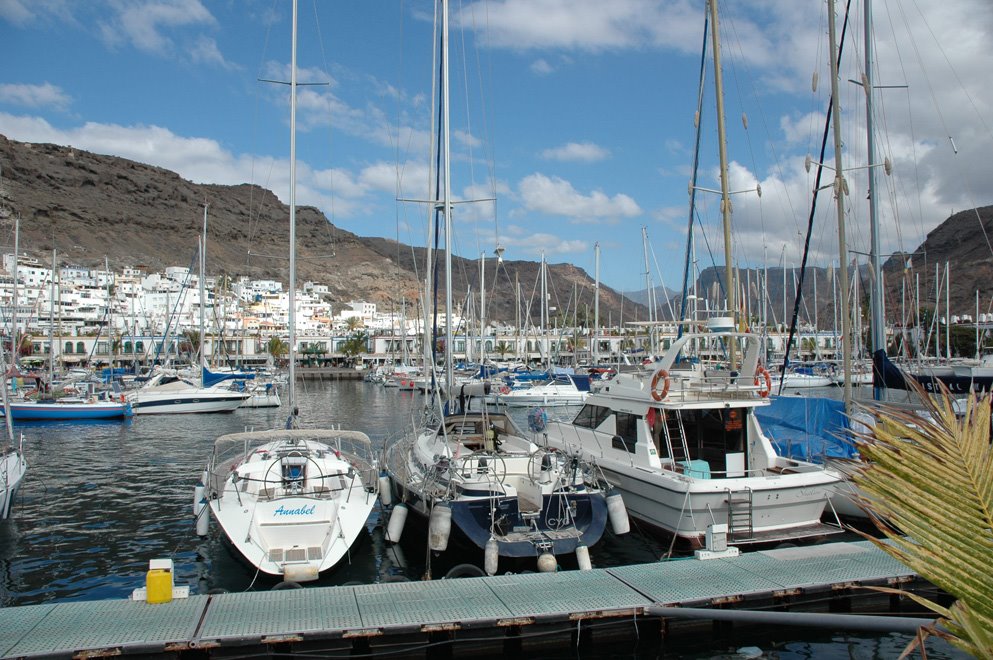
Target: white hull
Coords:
[(292, 502), (802, 381), (12, 469), (193, 402), (262, 400)]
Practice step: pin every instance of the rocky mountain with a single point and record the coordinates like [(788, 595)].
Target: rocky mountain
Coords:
[(91, 207)]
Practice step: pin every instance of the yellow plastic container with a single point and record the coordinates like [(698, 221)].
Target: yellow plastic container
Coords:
[(158, 586)]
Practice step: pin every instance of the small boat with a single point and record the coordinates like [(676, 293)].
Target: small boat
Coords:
[(167, 392), (70, 408), (291, 501), (684, 446), (561, 390), (261, 395)]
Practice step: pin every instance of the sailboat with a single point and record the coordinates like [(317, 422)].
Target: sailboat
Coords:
[(12, 462), (290, 501), (471, 472)]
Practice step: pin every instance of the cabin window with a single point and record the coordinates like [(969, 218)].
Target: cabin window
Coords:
[(591, 417), (626, 432)]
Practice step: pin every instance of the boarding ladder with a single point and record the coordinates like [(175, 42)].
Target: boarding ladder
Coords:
[(739, 514), (675, 437)]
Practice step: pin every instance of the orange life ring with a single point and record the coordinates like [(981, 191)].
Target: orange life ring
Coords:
[(122, 398), (662, 375), (762, 372)]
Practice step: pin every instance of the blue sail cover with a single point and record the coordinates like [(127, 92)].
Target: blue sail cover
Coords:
[(210, 378), (807, 428)]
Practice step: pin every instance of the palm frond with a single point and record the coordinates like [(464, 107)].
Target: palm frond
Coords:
[(927, 480)]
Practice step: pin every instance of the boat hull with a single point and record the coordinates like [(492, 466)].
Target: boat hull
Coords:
[(782, 509), (515, 536), (64, 411), (176, 404)]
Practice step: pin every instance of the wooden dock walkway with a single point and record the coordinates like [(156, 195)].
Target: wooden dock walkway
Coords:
[(462, 616)]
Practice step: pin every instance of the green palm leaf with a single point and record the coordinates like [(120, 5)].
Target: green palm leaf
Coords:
[(927, 481)]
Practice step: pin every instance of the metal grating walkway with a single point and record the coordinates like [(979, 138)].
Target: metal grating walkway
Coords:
[(252, 618)]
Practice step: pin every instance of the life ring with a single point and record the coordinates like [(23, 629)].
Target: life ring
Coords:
[(122, 398), (662, 375), (760, 373), (504, 390)]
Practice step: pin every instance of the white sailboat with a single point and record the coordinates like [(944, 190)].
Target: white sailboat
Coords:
[(472, 473), (12, 462), (290, 501)]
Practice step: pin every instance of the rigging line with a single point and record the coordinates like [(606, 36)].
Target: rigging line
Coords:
[(918, 186), (740, 95), (329, 229), (772, 142), (810, 218), (927, 79), (965, 89)]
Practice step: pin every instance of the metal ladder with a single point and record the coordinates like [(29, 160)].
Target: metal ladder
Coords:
[(739, 514), (672, 425)]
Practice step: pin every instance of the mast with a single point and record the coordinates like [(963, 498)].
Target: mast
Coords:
[(291, 318), (51, 326), (725, 191), (13, 312), (447, 200), (876, 281), (839, 190), (596, 301), (203, 288)]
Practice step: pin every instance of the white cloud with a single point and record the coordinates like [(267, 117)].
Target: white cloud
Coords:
[(15, 11), (144, 25), (541, 67), (556, 196), (205, 51), (576, 151), (45, 96), (520, 243)]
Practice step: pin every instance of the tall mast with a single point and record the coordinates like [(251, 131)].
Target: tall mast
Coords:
[(596, 300), (203, 289), (51, 325), (14, 344), (447, 200), (725, 190), (839, 191), (291, 318)]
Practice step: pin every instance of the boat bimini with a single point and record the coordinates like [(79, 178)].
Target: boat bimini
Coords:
[(682, 444), (291, 501)]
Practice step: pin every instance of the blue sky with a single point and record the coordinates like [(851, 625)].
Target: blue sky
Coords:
[(575, 115)]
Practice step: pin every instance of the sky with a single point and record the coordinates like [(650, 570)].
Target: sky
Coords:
[(572, 121)]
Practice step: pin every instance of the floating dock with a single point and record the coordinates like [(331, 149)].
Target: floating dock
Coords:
[(468, 616)]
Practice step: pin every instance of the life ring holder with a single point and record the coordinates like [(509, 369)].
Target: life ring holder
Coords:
[(660, 375), (763, 373)]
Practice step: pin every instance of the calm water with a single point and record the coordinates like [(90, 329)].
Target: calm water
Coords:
[(101, 499)]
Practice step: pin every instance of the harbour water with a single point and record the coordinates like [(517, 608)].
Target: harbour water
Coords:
[(103, 498)]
